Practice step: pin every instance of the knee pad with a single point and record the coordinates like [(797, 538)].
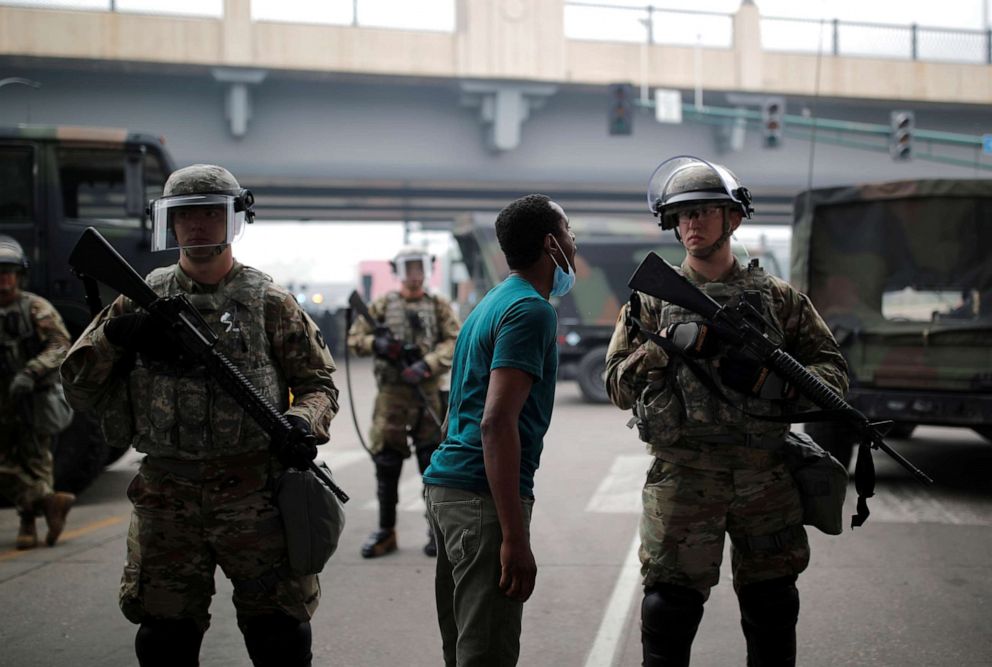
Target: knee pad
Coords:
[(670, 616), (161, 642), (770, 604), (277, 640)]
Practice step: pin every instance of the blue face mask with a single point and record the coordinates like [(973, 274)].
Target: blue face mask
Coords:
[(563, 281)]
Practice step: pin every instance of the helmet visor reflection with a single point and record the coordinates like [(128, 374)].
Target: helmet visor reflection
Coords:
[(190, 221)]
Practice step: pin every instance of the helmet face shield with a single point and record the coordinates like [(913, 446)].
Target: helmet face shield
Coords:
[(404, 264), (197, 220), (682, 181)]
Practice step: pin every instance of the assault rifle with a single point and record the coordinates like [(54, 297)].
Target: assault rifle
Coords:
[(735, 324), (94, 258), (411, 353)]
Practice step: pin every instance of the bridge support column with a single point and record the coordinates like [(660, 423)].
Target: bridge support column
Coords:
[(503, 108), (237, 101)]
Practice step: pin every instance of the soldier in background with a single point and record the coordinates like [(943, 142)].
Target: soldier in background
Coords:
[(412, 349), (33, 342), (716, 470), (203, 495)]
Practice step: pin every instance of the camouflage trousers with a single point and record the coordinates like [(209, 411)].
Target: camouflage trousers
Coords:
[(25, 466), (399, 417), (190, 517), (687, 511)]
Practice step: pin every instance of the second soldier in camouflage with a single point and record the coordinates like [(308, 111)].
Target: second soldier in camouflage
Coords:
[(413, 349), (716, 470)]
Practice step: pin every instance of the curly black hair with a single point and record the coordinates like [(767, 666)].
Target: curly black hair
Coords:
[(521, 227)]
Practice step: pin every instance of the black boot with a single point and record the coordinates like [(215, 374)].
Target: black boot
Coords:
[(769, 612)]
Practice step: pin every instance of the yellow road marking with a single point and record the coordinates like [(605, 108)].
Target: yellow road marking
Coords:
[(67, 535)]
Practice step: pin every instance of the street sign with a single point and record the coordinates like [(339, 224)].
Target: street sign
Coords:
[(667, 106), (987, 144)]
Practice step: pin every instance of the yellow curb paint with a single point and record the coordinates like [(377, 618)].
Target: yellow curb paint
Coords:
[(67, 535)]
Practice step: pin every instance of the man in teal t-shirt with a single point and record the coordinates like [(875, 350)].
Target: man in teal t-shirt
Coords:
[(480, 483)]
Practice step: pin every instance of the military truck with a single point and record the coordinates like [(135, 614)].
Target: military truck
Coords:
[(55, 182), (609, 250), (902, 274)]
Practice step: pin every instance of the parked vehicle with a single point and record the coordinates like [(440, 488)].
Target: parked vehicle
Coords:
[(902, 274), (54, 183)]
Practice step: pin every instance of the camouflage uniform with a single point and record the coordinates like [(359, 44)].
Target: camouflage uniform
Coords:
[(428, 326), (203, 494), (717, 470), (33, 340)]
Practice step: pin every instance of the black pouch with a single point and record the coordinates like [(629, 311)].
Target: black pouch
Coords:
[(312, 518), (822, 482)]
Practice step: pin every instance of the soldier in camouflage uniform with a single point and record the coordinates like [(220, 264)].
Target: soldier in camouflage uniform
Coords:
[(33, 342), (203, 495), (412, 349), (716, 470)]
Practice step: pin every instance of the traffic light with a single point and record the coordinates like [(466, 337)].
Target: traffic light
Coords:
[(901, 135), (772, 119), (621, 113)]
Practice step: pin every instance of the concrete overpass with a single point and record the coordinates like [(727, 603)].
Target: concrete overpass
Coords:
[(343, 122)]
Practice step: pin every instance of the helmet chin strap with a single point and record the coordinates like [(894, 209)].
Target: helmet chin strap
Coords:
[(217, 249)]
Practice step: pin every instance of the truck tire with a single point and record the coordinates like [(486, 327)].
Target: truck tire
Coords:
[(591, 373), (80, 454), (837, 439)]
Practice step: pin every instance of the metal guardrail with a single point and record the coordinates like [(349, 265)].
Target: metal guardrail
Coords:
[(661, 25)]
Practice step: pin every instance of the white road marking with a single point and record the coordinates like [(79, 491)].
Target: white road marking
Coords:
[(616, 618), (620, 490)]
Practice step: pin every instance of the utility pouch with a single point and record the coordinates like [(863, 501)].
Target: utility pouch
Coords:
[(312, 519), (822, 482), (658, 415), (52, 412)]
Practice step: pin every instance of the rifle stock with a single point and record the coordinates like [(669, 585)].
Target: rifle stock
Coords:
[(94, 257)]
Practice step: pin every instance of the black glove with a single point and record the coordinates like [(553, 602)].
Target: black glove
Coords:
[(746, 375), (697, 339), (416, 372), (143, 334), (385, 345), (300, 446)]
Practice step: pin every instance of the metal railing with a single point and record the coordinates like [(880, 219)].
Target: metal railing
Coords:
[(660, 25), (427, 15)]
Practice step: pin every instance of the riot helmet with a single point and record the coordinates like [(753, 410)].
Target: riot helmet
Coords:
[(686, 181), (203, 192), (409, 255), (12, 254)]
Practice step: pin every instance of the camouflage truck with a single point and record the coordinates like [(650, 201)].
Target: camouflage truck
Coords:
[(902, 274), (609, 250), (54, 183)]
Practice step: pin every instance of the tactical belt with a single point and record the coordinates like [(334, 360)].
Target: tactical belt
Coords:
[(741, 440), (197, 470)]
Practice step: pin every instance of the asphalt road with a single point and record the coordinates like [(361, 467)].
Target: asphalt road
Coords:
[(911, 587)]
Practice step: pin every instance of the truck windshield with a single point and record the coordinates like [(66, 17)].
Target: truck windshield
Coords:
[(917, 259)]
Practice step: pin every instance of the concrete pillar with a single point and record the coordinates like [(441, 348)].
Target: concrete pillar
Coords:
[(237, 33), (503, 108), (747, 47), (511, 39)]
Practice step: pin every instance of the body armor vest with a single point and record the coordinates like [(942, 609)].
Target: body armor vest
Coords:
[(678, 410), (414, 323), (182, 413), (18, 344)]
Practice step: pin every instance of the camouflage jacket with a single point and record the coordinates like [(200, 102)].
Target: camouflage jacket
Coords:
[(182, 413), (428, 323), (33, 338), (677, 416)]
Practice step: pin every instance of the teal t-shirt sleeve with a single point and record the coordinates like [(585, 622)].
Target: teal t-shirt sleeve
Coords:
[(524, 335)]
